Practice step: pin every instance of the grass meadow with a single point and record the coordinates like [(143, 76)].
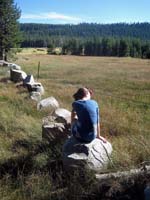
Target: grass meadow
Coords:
[(122, 89)]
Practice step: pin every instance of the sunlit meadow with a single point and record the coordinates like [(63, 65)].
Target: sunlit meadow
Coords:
[(121, 87)]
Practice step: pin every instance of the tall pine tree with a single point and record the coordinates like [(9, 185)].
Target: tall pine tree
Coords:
[(9, 27)]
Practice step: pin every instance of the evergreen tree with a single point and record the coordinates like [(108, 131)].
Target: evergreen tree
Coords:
[(146, 50), (107, 47), (135, 48), (50, 48), (9, 27), (115, 47), (124, 49), (88, 48)]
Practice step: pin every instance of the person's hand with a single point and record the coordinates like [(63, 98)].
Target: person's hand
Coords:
[(103, 139)]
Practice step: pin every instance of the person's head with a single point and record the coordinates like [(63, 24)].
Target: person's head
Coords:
[(82, 93)]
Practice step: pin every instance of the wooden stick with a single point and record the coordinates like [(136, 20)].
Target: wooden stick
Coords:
[(38, 75), (126, 174)]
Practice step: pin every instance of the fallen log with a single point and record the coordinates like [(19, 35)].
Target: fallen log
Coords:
[(125, 174)]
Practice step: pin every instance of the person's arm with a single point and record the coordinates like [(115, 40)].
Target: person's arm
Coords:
[(98, 123), (99, 135), (99, 131), (73, 116)]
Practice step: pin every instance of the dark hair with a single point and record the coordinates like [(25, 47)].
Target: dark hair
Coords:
[(81, 92)]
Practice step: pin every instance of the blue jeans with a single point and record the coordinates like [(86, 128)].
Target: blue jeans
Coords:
[(74, 131)]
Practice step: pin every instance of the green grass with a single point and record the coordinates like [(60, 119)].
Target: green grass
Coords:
[(122, 89), (28, 51)]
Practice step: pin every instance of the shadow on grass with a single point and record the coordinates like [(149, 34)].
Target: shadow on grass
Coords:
[(26, 164), (4, 80), (78, 185)]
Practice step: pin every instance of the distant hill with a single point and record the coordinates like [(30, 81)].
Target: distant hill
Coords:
[(85, 30), (119, 39)]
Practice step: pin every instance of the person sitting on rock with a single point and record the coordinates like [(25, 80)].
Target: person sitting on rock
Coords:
[(85, 117)]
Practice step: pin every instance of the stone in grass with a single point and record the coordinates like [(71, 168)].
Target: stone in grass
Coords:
[(14, 66), (54, 132), (35, 87), (94, 155), (35, 96), (29, 80), (62, 115), (49, 103), (17, 75)]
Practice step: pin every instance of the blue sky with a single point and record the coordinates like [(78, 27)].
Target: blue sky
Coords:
[(79, 11)]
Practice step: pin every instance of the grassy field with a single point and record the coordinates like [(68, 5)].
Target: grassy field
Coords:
[(28, 51), (122, 89)]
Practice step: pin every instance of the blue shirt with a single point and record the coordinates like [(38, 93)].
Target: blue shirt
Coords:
[(88, 117)]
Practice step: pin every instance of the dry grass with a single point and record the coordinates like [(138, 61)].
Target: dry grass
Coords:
[(121, 85), (122, 89), (28, 51)]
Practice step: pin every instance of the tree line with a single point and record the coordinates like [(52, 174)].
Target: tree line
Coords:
[(106, 47), (86, 30), (120, 39), (41, 35)]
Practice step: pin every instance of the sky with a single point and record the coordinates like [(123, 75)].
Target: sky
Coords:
[(84, 11)]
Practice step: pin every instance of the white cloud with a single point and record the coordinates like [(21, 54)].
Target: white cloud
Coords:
[(50, 16)]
